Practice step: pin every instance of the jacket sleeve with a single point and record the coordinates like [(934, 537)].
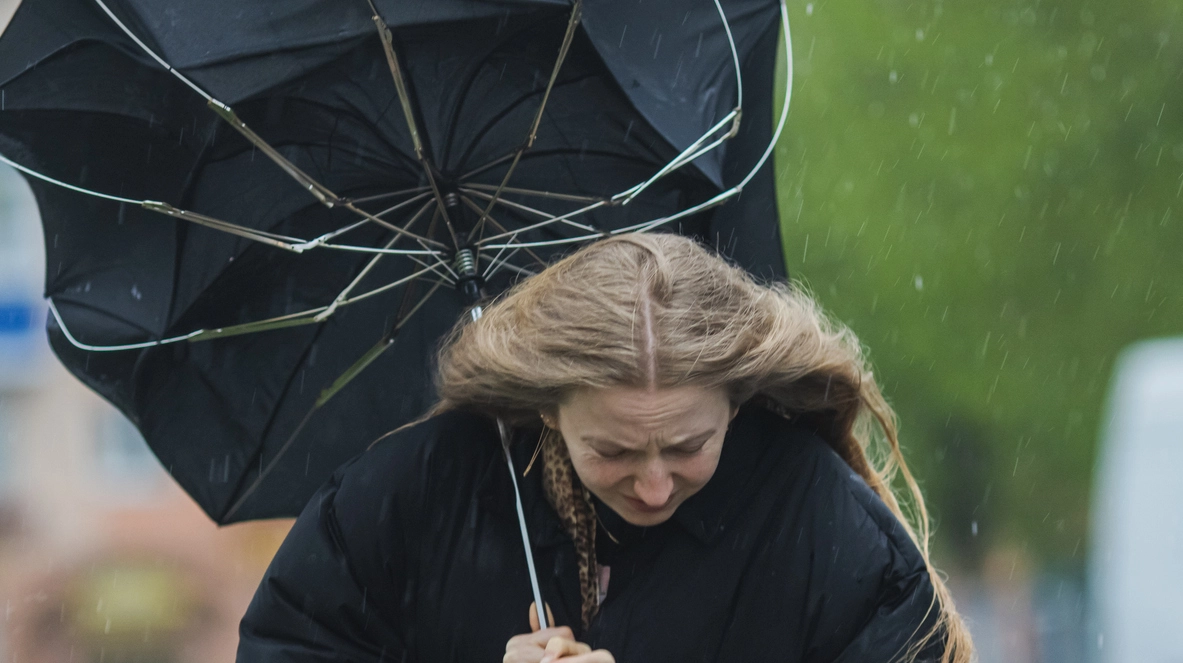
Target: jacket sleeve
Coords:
[(879, 601), (904, 613), (329, 593)]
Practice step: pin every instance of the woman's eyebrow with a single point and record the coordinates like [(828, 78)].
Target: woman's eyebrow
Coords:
[(687, 440), (692, 439), (592, 439)]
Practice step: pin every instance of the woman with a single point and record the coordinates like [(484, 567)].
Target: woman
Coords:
[(697, 487)]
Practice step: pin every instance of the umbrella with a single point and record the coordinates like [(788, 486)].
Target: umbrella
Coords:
[(259, 218)]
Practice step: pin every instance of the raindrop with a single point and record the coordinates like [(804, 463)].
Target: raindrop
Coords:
[(893, 76), (809, 9), (919, 34), (918, 282), (973, 528), (989, 59), (135, 292)]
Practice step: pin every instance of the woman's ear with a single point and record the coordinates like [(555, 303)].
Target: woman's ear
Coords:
[(734, 411), (550, 418)]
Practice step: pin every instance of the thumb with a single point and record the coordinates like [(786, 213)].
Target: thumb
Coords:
[(534, 625), (558, 647)]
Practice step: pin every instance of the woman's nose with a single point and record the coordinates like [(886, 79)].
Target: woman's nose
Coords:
[(654, 486)]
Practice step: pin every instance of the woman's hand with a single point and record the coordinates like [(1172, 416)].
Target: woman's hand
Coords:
[(569, 651), (551, 644)]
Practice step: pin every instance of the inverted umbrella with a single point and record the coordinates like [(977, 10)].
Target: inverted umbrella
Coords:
[(260, 218)]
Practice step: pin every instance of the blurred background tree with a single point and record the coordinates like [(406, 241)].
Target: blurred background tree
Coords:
[(989, 195)]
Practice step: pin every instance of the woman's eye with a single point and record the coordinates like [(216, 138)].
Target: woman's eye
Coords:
[(686, 451), (618, 453)]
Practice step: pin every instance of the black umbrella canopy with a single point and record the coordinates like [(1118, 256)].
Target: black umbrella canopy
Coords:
[(333, 177)]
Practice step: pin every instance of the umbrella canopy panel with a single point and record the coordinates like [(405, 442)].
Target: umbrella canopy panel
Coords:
[(459, 159)]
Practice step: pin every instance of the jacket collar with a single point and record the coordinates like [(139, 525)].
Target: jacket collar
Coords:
[(705, 514), (495, 491)]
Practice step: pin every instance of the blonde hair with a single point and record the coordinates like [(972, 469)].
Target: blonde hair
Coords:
[(659, 310)]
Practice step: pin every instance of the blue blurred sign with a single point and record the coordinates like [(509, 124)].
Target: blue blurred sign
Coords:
[(16, 317), (23, 346)]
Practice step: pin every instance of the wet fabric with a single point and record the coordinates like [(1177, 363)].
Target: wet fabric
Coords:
[(412, 553)]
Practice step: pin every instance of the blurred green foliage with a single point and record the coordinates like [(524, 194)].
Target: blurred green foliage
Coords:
[(989, 195)]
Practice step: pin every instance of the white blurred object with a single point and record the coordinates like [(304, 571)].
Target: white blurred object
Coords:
[(1136, 566)]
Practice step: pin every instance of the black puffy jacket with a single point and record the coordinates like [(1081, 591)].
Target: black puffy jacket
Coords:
[(412, 552)]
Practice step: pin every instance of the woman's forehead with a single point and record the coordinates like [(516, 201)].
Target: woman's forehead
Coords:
[(664, 411)]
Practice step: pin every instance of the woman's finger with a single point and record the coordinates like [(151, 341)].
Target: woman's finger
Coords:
[(597, 656), (523, 655), (559, 647), (538, 639), (550, 616)]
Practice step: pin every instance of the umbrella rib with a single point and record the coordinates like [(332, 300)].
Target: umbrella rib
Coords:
[(484, 243), (347, 204), (480, 169), (551, 218), (716, 200), (494, 265), (53, 309), (692, 152), (381, 196), (280, 241), (369, 267), (404, 97), (387, 340), (515, 268), (695, 149), (734, 53), (318, 190), (784, 110), (97, 194), (350, 373), (285, 242), (438, 262), (640, 227), (388, 250), (476, 208), (393, 284), (534, 192), (564, 48), (151, 53), (302, 318), (444, 277), (279, 322), (377, 218)]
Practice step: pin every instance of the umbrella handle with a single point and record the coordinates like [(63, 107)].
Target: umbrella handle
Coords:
[(504, 431)]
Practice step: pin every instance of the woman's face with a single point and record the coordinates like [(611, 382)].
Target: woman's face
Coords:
[(644, 451)]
